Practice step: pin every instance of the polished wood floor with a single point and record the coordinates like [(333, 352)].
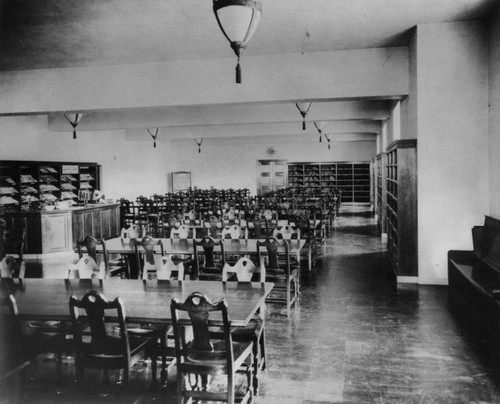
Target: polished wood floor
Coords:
[(355, 337)]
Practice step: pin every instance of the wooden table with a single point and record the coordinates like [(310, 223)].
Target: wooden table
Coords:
[(183, 246), (145, 301)]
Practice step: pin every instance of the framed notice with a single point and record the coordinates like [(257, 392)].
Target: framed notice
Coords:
[(181, 181)]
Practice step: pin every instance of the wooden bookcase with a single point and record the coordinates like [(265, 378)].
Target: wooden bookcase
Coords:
[(24, 184), (401, 207), (380, 191), (352, 178)]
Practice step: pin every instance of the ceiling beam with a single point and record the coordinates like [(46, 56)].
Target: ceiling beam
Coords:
[(225, 115)]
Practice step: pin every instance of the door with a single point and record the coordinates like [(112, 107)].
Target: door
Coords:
[(271, 175)]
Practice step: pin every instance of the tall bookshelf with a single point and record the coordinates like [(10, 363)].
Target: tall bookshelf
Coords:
[(401, 207), (24, 184), (352, 178), (380, 191)]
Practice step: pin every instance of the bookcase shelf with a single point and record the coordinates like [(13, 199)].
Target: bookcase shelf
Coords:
[(401, 205), (352, 178), (24, 184)]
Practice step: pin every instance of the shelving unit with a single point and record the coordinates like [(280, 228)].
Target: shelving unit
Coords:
[(401, 206), (23, 183), (380, 190), (352, 178)]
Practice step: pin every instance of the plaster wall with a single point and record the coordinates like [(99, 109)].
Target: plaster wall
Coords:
[(494, 116), (451, 65), (128, 169), (233, 163)]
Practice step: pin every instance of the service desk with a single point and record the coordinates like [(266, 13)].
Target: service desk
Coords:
[(58, 230)]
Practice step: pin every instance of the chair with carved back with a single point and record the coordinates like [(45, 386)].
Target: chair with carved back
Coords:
[(209, 258), (244, 270), (182, 232), (205, 356), (279, 270), (151, 263), (89, 245), (108, 346)]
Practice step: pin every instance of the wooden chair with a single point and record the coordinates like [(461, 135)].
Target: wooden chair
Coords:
[(108, 347), (164, 270), (286, 232), (279, 271), (234, 232), (209, 258), (154, 264), (182, 232), (12, 268), (146, 255), (89, 246), (86, 268), (245, 271), (205, 357)]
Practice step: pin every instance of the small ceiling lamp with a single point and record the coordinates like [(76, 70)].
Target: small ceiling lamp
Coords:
[(199, 143), (154, 135), (320, 126), (237, 20), (329, 139), (303, 108), (73, 119)]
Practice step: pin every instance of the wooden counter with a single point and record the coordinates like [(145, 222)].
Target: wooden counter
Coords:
[(58, 230)]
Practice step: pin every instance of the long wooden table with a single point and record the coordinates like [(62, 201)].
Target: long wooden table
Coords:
[(145, 301), (185, 246)]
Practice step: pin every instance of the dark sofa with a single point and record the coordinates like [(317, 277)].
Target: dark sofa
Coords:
[(474, 286)]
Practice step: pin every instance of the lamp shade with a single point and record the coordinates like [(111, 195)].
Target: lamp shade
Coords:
[(303, 108), (238, 20)]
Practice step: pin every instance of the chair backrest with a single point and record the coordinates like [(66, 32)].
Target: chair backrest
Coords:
[(146, 258), (212, 225), (134, 231), (89, 246), (182, 232), (209, 246), (165, 270), (233, 232), (271, 246), (12, 268), (286, 233), (201, 347), (86, 268), (104, 340), (244, 269)]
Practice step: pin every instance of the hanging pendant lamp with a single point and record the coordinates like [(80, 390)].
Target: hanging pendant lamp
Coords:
[(237, 20), (154, 135), (329, 139), (303, 108), (320, 126), (73, 119), (199, 143)]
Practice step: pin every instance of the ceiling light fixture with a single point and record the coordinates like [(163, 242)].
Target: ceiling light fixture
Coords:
[(303, 108), (328, 138), (154, 135), (320, 126), (73, 119), (237, 20), (199, 142)]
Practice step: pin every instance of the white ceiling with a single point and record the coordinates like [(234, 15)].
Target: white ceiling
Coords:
[(44, 34)]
